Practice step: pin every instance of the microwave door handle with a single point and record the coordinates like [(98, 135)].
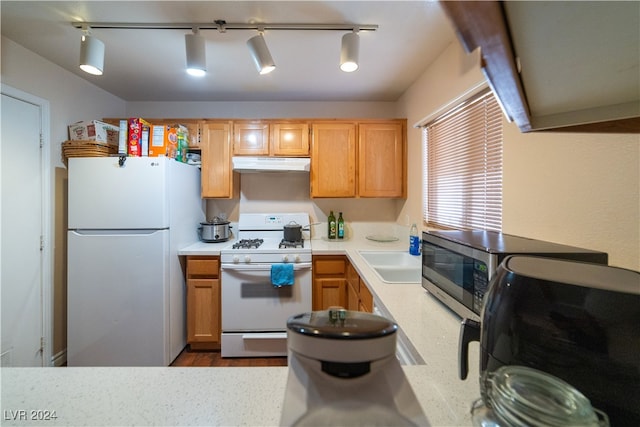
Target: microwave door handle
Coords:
[(469, 331)]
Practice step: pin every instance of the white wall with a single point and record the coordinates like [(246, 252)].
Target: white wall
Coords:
[(450, 75), (262, 110), (281, 192), (70, 97), (576, 189)]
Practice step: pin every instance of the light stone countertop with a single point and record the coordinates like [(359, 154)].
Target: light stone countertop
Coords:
[(247, 396)]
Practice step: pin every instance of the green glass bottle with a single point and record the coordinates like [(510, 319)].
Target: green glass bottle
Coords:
[(340, 226), (331, 222)]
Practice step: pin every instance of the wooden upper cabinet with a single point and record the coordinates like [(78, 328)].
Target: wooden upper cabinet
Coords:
[(218, 178), (270, 138), (250, 138), (381, 160), (290, 139), (333, 160)]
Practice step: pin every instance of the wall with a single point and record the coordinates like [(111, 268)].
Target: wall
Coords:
[(575, 189), (71, 98), (281, 192), (449, 76), (570, 188)]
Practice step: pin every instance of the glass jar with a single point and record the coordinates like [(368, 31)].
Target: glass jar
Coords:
[(518, 396)]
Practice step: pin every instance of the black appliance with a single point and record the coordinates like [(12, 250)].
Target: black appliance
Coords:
[(457, 265), (577, 321)]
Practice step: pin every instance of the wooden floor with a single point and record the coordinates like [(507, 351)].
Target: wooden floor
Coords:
[(212, 358)]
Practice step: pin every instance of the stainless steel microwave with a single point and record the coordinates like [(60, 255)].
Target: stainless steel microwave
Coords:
[(458, 265)]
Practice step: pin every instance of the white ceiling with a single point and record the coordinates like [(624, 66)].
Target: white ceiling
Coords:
[(148, 65)]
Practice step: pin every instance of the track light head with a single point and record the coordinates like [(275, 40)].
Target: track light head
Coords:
[(260, 54), (349, 52), (196, 54), (91, 54)]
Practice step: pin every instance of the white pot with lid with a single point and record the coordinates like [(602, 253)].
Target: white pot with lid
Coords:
[(342, 336), (343, 371)]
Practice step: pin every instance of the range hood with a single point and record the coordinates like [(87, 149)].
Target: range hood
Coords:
[(270, 164)]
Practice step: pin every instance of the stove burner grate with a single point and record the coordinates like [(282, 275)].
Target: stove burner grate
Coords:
[(247, 244), (291, 244)]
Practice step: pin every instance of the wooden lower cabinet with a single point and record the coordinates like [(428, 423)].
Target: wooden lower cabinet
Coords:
[(203, 302), (329, 281), (366, 298), (359, 296), (337, 283)]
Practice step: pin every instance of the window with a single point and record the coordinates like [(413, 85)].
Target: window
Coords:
[(463, 166)]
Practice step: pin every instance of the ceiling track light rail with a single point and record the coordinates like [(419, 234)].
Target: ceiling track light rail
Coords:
[(223, 26), (92, 50)]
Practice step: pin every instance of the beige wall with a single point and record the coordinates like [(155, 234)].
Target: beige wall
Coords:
[(71, 98), (282, 192), (449, 76), (570, 188), (575, 189)]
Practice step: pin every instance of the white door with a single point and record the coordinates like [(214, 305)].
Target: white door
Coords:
[(117, 298), (21, 228), (106, 195)]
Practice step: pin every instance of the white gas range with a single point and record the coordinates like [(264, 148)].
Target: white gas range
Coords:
[(256, 303)]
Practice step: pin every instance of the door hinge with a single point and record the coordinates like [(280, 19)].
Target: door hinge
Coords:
[(41, 243), (41, 141), (42, 343)]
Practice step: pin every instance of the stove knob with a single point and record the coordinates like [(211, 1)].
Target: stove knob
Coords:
[(285, 258), (247, 259), (236, 259), (297, 258)]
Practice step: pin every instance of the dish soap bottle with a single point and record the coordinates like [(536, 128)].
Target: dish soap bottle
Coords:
[(331, 222), (340, 226), (414, 240)]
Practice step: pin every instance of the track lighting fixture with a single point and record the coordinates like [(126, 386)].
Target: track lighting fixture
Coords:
[(260, 54), (349, 52), (91, 53), (196, 54), (92, 49)]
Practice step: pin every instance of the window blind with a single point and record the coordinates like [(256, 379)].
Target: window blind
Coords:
[(463, 166)]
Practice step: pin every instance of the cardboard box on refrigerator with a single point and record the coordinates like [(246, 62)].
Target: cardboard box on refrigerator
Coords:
[(159, 140), (94, 130), (123, 137), (136, 126), (174, 134)]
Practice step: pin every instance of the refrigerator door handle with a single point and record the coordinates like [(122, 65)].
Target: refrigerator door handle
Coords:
[(127, 232)]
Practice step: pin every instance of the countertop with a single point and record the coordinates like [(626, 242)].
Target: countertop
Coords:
[(246, 396)]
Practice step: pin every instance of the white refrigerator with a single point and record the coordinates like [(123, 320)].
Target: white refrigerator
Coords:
[(126, 296)]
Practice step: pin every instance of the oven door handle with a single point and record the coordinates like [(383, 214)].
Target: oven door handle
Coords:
[(265, 336), (262, 267)]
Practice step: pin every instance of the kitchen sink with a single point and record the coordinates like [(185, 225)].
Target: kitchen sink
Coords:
[(394, 266)]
